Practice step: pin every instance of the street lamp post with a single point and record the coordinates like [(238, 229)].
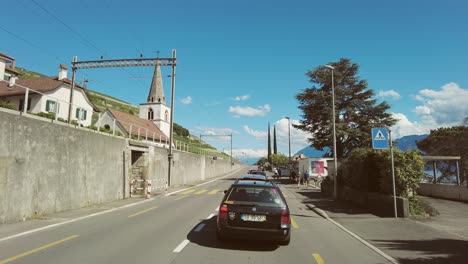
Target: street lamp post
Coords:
[(335, 180), (289, 136)]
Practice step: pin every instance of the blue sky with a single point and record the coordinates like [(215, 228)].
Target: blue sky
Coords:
[(240, 63)]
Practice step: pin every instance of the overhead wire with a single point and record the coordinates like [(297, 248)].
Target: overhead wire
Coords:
[(81, 37)]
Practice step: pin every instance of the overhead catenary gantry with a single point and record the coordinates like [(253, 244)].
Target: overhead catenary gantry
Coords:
[(138, 62)]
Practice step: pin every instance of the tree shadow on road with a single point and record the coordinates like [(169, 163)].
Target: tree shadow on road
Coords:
[(445, 251), (337, 209), (207, 238)]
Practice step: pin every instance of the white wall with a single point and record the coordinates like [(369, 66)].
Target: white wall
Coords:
[(35, 102), (62, 94), (159, 120), (2, 69)]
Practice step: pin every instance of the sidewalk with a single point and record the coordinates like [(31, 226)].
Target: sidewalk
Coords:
[(435, 240)]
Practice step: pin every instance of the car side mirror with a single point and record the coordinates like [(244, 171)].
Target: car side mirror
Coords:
[(225, 191)]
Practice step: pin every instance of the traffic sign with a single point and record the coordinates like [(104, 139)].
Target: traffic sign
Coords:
[(379, 138)]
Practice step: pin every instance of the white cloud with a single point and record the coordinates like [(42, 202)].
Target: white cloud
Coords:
[(404, 127), (249, 153), (389, 93), (443, 108), (298, 137), (186, 100), (216, 130), (255, 133), (250, 111), (446, 107), (242, 97)]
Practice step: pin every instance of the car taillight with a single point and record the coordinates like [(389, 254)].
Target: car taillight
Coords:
[(285, 219), (223, 209)]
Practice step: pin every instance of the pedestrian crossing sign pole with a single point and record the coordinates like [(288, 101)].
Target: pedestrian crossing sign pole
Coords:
[(381, 139)]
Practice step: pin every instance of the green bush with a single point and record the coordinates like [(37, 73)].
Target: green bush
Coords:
[(46, 115), (370, 170), (7, 105)]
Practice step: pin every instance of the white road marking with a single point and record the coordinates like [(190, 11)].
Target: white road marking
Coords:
[(211, 215), (378, 251), (181, 246), (103, 212), (234, 172), (200, 227), (73, 220), (217, 208)]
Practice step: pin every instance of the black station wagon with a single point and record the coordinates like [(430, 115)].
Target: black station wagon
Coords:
[(254, 210)]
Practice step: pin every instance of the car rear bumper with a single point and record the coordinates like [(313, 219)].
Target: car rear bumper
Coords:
[(254, 233)]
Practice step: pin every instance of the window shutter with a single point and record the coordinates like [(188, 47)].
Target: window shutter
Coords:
[(77, 115), (84, 114)]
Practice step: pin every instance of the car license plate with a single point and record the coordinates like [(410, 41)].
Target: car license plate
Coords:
[(253, 218)]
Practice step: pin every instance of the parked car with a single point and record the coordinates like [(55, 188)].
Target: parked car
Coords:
[(254, 210), (257, 177), (259, 172)]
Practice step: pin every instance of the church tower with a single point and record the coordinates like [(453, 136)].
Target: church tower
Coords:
[(155, 108)]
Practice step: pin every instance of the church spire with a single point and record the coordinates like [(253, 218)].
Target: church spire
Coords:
[(156, 94)]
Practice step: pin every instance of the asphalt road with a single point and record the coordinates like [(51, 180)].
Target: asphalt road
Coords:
[(180, 228)]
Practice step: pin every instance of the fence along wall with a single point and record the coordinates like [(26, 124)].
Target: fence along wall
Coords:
[(51, 167)]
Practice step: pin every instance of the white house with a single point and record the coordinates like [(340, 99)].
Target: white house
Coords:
[(49, 95)]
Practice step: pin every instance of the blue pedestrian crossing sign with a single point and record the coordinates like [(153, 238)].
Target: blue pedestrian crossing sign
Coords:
[(379, 138)]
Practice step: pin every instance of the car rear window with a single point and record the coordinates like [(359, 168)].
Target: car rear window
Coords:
[(263, 196)]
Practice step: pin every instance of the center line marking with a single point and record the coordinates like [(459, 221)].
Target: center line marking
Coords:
[(318, 258), (199, 228), (294, 224), (214, 191), (188, 191), (142, 212), (181, 246), (36, 250), (202, 191), (181, 197)]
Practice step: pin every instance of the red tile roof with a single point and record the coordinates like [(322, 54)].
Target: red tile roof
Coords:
[(40, 84), (6, 57), (126, 119)]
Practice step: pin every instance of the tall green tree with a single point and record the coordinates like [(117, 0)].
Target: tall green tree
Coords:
[(448, 141), (269, 144), (275, 148), (356, 110), (279, 159)]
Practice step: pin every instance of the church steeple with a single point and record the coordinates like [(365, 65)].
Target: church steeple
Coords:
[(156, 94)]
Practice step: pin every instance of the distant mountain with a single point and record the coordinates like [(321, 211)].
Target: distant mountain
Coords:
[(403, 143), (311, 152), (409, 142)]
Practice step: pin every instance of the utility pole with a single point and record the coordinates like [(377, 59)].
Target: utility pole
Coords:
[(72, 88), (171, 131)]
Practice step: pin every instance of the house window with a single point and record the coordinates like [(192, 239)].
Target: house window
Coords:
[(21, 105), (150, 114), (165, 115), (80, 114), (107, 127), (52, 106)]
